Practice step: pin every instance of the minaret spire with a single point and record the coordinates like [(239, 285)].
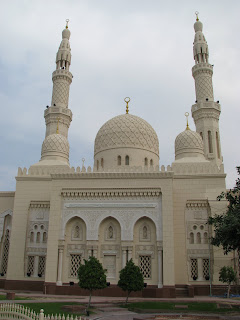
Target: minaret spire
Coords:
[(205, 111), (58, 116)]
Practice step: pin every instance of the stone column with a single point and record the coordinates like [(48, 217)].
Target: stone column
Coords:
[(35, 270), (160, 264), (200, 269), (124, 258), (60, 262), (129, 255)]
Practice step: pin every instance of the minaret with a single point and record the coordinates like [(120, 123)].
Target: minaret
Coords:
[(58, 116), (205, 111)]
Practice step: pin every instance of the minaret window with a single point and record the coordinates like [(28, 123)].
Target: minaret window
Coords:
[(127, 160), (201, 134), (97, 164), (218, 147), (146, 161), (151, 162), (119, 160), (210, 148), (102, 162)]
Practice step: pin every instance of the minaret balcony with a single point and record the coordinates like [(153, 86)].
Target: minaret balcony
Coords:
[(61, 74), (58, 110)]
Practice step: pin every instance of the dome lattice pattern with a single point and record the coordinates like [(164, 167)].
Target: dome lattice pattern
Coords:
[(188, 139), (126, 131), (55, 142)]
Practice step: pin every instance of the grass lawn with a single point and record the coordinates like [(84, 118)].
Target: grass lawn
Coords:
[(170, 306), (50, 307), (3, 297)]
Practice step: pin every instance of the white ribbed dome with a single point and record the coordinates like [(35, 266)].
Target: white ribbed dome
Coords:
[(126, 131), (188, 144), (55, 145)]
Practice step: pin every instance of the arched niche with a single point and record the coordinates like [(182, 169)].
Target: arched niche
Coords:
[(145, 250), (109, 238)]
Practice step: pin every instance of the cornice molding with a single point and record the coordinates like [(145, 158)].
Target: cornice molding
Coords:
[(39, 204), (113, 175), (110, 192), (193, 204)]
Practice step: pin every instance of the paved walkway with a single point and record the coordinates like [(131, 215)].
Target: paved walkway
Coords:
[(106, 306)]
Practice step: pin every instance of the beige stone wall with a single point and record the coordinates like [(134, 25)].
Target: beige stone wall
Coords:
[(26, 190), (196, 187), (6, 201)]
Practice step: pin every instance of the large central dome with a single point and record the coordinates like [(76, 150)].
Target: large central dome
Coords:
[(126, 131), (126, 141)]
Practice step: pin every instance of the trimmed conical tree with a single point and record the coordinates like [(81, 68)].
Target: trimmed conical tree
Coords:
[(131, 278), (91, 276)]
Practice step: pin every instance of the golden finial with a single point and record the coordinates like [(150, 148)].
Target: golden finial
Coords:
[(197, 13), (57, 131), (127, 99), (186, 115), (67, 20)]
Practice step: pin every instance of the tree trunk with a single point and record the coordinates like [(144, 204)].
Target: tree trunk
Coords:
[(90, 297), (228, 292), (128, 293)]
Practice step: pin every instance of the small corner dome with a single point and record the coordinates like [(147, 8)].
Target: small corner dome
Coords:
[(188, 144), (126, 135), (55, 144)]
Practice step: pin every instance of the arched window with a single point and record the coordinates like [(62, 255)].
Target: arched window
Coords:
[(151, 162), (205, 237), (198, 237), (45, 237), (102, 162), (210, 148), (218, 147), (110, 232), (38, 237), (191, 238), (146, 161), (76, 232), (97, 164), (32, 237), (201, 134), (119, 160), (127, 160), (145, 233)]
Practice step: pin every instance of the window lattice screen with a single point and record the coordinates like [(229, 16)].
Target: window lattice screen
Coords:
[(194, 268), (145, 265), (30, 265), (5, 253), (75, 261), (205, 268), (41, 265)]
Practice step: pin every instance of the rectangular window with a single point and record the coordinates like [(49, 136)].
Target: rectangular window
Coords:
[(205, 263), (30, 265), (75, 261), (41, 265), (145, 265), (194, 269)]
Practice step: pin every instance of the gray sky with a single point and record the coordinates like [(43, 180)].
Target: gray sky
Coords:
[(136, 48)]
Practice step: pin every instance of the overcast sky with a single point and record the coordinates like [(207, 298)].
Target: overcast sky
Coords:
[(136, 48)]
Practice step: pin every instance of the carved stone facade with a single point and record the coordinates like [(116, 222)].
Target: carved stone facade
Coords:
[(126, 207)]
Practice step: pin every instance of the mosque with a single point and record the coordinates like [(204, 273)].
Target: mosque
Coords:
[(126, 206)]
